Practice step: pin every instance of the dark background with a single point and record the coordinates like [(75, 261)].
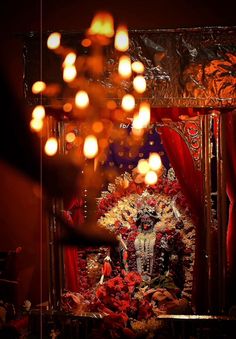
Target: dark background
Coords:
[(20, 208)]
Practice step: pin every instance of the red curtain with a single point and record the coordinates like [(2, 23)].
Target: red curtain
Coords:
[(75, 215), (190, 180), (231, 191)]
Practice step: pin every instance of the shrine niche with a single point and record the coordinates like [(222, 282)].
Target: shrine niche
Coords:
[(172, 254)]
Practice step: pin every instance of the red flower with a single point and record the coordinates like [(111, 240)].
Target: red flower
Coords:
[(115, 283)]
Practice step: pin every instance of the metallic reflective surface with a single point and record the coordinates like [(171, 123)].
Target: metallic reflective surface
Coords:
[(191, 67)]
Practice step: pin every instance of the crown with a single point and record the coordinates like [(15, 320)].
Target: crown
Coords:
[(146, 206)]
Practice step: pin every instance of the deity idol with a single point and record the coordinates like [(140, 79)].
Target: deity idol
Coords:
[(153, 252)]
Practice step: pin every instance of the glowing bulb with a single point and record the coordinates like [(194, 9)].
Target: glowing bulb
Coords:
[(122, 39), (38, 112), (90, 146), (143, 166), (139, 84), (137, 126), (124, 67), (70, 137), (69, 59), (67, 107), (145, 113), (36, 124), (128, 102), (150, 178), (54, 40), (38, 87), (86, 42), (137, 67), (155, 161), (69, 73), (81, 99), (51, 146), (97, 126), (102, 24)]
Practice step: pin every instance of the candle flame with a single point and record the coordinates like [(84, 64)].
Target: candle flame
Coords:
[(69, 73), (151, 178), (38, 112), (51, 146), (38, 87), (139, 84), (137, 125), (54, 40), (137, 67), (122, 39), (143, 166), (81, 99), (128, 102), (155, 161), (145, 113), (69, 59), (124, 67), (70, 137), (102, 24), (90, 146), (36, 124)]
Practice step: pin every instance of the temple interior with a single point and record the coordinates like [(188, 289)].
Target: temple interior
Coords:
[(118, 170)]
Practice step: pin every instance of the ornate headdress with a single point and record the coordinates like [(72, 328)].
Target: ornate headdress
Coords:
[(146, 206)]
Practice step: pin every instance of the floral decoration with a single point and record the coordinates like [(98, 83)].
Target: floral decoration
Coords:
[(131, 303)]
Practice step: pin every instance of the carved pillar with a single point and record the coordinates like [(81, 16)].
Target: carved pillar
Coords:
[(56, 260)]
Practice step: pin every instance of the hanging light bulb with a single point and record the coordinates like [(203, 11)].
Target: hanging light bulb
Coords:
[(97, 126), (69, 73), (51, 146), (67, 107), (36, 124), (90, 146), (155, 161), (38, 87), (143, 166), (69, 59), (128, 102), (54, 40), (151, 178), (137, 67), (102, 24), (86, 42), (139, 84), (81, 99), (137, 125), (124, 66), (122, 39), (70, 137), (38, 112), (145, 113)]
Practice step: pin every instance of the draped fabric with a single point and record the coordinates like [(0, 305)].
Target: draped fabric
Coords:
[(75, 215), (231, 192), (191, 183)]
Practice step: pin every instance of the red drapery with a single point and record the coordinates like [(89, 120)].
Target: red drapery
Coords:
[(75, 213), (190, 180), (231, 191)]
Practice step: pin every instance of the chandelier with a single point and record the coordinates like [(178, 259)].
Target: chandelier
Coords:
[(91, 82)]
